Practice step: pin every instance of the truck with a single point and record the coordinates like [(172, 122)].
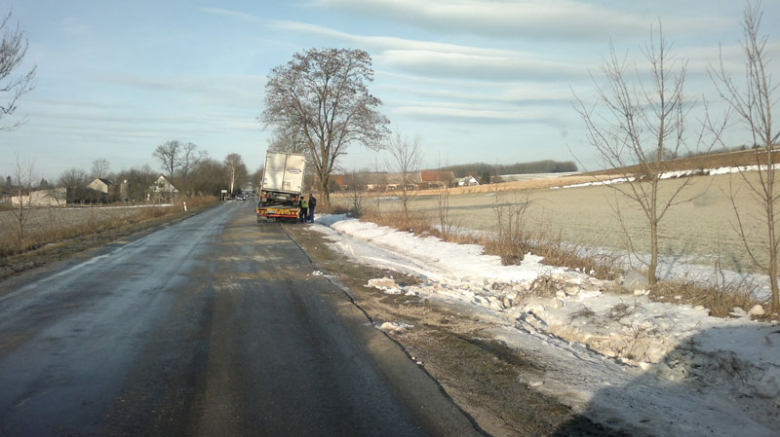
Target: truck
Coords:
[(282, 186)]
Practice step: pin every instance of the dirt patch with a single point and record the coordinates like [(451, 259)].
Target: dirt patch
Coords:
[(484, 377)]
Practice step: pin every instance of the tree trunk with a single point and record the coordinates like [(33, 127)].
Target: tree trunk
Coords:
[(324, 191), (770, 212), (773, 280), (651, 269)]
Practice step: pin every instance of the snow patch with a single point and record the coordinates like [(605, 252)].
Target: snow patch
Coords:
[(395, 327), (651, 368), (676, 175)]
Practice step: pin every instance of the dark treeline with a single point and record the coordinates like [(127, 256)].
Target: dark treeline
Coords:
[(547, 166)]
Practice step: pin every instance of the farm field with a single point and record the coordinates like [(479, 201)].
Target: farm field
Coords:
[(699, 231), (41, 218)]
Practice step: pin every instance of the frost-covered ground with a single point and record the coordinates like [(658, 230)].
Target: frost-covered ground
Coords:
[(625, 361)]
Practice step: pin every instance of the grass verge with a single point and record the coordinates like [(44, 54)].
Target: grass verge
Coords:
[(47, 242)]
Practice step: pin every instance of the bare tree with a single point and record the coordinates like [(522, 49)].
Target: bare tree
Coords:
[(189, 157), (443, 210), (322, 97), (257, 178), (23, 180), (13, 48), (405, 161), (236, 171), (511, 237), (356, 191), (636, 122), (209, 177), (100, 168), (753, 105), (73, 178), (168, 154)]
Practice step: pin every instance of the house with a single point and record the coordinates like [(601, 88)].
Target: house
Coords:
[(100, 185), (161, 191), (101, 190), (468, 181), (395, 181), (436, 179)]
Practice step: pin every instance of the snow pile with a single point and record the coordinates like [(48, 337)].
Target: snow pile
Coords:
[(433, 259), (385, 284), (677, 174), (395, 327), (663, 358)]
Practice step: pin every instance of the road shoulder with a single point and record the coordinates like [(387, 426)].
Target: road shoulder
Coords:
[(482, 376)]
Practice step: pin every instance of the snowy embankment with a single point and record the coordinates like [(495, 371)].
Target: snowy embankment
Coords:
[(676, 175), (650, 368)]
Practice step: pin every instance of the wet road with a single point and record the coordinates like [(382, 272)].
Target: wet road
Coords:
[(214, 326)]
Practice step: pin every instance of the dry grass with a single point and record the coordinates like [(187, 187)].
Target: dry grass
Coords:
[(51, 232), (720, 300)]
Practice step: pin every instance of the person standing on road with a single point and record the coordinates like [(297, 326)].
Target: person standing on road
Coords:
[(312, 204), (304, 205)]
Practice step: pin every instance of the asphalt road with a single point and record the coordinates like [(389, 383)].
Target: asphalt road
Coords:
[(213, 326)]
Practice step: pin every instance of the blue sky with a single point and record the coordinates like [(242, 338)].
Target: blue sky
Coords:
[(488, 81)]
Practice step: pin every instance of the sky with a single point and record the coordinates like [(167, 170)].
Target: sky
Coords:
[(476, 80)]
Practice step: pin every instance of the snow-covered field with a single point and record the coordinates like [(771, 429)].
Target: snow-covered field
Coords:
[(650, 368)]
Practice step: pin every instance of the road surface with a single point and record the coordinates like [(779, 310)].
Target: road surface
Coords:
[(213, 326)]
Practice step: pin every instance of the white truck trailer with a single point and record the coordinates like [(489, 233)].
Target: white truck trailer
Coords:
[(282, 187)]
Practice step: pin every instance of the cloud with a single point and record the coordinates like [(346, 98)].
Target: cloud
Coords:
[(507, 67), (231, 13), (458, 113), (536, 19), (448, 60), (507, 94)]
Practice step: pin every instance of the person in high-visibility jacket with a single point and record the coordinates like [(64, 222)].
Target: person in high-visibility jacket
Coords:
[(304, 213)]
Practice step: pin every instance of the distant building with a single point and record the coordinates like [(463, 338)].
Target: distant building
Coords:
[(468, 181), (162, 191), (436, 179), (101, 190), (100, 185), (42, 198)]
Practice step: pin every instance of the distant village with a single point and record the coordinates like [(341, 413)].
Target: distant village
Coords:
[(381, 181), (99, 191)]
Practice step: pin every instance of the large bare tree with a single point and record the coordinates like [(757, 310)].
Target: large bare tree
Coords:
[(638, 121), (13, 48), (322, 97), (753, 104)]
